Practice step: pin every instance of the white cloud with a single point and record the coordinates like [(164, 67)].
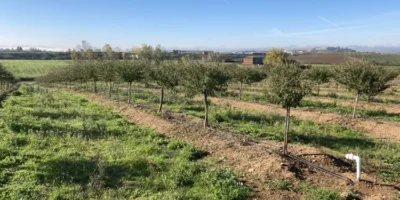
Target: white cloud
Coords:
[(328, 21)]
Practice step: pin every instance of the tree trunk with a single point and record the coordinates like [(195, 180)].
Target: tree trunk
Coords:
[(287, 122), (109, 90), (130, 93), (94, 86), (355, 105), (240, 91), (206, 111), (161, 99)]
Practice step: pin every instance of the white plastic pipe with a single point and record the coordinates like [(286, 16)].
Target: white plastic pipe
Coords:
[(358, 163)]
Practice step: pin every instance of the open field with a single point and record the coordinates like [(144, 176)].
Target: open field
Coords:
[(326, 58), (32, 68)]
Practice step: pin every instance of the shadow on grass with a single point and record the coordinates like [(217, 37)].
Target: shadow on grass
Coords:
[(83, 171), (333, 142)]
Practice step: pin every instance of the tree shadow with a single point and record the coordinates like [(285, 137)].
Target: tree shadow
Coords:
[(332, 142), (83, 171)]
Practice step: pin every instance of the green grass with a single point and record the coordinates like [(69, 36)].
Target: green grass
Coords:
[(60, 146), (32, 68), (384, 59)]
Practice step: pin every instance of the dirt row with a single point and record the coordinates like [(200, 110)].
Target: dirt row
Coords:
[(258, 161), (373, 128)]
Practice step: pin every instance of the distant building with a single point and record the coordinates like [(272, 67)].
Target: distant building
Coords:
[(253, 60), (296, 51)]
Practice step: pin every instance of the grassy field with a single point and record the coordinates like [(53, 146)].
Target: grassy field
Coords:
[(32, 68), (386, 59), (59, 146)]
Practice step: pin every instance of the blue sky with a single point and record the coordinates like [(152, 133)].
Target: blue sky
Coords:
[(191, 24)]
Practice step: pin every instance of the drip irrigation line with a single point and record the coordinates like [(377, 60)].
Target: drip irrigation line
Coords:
[(298, 159)]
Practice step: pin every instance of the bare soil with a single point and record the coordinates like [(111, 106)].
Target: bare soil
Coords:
[(259, 161)]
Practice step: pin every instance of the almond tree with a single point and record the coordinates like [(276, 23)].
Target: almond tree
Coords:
[(131, 71), (165, 75), (319, 75), (288, 86), (108, 52), (203, 78), (245, 75), (363, 78), (91, 71), (108, 73)]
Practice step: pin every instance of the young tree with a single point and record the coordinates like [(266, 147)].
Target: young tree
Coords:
[(74, 55), (158, 54), (319, 75), (165, 75), (247, 75), (131, 71), (287, 86), (205, 79), (275, 56), (88, 52), (379, 82), (363, 78), (145, 53), (108, 51), (91, 71), (107, 73)]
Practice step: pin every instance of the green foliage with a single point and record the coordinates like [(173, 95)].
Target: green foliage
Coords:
[(108, 51), (364, 78), (319, 75), (131, 71), (203, 78), (165, 74), (287, 85), (59, 146), (246, 74), (275, 56)]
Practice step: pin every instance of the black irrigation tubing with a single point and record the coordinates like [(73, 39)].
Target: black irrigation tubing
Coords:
[(351, 182)]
